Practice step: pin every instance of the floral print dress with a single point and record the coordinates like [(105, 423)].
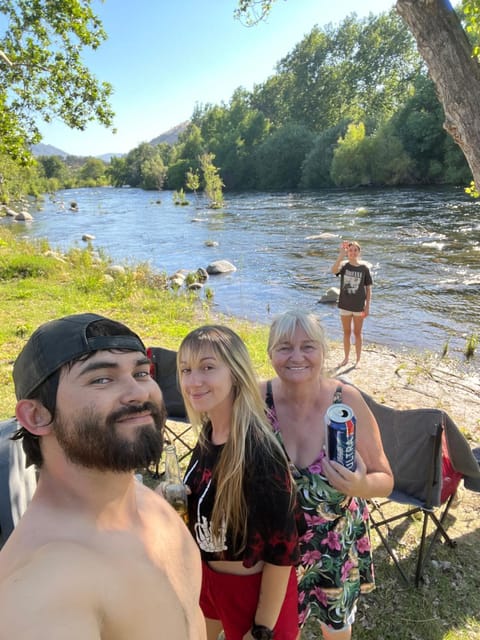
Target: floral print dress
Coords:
[(336, 560)]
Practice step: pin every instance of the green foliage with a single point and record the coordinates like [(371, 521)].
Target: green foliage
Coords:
[(117, 172), (232, 132), (360, 70), (192, 180), (53, 167), (142, 167), (388, 162), (179, 198), (42, 72), (17, 180), (471, 12), (191, 145), (472, 190), (419, 126), (176, 174), (455, 169), (318, 162), (94, 169), (349, 165), (212, 180), (280, 157), (153, 174), (471, 346), (252, 11), (25, 267)]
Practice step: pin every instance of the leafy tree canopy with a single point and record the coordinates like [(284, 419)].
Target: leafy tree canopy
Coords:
[(471, 13), (362, 68), (42, 74)]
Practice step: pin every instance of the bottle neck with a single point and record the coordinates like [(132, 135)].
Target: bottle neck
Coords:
[(172, 468)]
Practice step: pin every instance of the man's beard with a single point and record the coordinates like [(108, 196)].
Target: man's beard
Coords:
[(94, 443)]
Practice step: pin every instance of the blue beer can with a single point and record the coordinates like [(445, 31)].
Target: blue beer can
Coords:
[(340, 436)]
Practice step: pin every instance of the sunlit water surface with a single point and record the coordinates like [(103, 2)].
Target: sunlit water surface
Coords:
[(423, 246)]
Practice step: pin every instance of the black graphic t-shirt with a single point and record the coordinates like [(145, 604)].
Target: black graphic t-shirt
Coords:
[(272, 526), (353, 280)]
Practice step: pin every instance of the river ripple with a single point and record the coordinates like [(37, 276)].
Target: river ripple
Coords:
[(423, 245)]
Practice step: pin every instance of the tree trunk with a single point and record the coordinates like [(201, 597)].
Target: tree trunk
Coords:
[(443, 44)]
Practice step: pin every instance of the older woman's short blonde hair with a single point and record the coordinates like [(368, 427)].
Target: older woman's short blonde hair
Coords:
[(284, 325)]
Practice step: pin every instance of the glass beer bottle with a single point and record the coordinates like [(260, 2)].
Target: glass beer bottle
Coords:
[(174, 490)]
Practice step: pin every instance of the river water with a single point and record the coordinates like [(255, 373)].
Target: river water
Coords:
[(423, 246)]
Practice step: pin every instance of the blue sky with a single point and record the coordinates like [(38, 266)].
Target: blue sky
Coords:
[(164, 56)]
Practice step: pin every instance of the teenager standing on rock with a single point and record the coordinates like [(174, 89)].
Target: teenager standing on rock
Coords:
[(355, 295)]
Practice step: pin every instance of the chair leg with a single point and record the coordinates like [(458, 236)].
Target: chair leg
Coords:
[(440, 529), (390, 551), (420, 560), (423, 555)]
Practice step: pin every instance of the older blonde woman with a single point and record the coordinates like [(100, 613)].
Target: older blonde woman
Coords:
[(336, 563)]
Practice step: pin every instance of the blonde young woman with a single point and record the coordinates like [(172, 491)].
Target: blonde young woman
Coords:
[(241, 508), (336, 562)]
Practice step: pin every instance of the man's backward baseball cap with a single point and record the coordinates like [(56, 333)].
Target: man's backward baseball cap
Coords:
[(60, 341)]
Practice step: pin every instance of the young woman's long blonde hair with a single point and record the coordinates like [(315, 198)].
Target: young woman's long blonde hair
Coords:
[(250, 430)]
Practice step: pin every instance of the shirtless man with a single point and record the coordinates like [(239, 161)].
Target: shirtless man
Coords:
[(96, 555)]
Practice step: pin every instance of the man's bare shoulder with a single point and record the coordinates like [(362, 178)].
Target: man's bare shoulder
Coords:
[(165, 521)]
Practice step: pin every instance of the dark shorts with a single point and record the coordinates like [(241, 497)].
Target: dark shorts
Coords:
[(233, 600)]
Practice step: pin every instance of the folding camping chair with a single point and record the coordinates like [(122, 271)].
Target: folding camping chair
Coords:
[(164, 371), (17, 482), (412, 440)]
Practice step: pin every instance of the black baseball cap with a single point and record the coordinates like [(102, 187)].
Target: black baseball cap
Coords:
[(59, 341)]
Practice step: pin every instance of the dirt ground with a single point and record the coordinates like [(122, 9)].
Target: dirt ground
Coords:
[(415, 380)]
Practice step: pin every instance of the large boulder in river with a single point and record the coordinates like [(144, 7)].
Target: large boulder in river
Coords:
[(330, 295), (220, 266), (23, 216)]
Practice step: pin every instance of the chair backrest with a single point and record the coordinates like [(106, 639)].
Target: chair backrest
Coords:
[(164, 371), (17, 482), (412, 442), (461, 455)]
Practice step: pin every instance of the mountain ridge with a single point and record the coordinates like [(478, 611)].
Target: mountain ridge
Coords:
[(170, 137)]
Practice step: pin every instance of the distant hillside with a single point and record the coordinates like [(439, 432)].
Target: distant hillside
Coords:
[(106, 157), (170, 136), (47, 150)]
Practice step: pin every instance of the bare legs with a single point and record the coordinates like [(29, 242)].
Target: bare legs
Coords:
[(357, 332), (349, 322), (344, 634), (347, 332), (213, 628)]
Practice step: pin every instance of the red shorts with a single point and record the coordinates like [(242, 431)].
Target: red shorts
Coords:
[(233, 600)]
